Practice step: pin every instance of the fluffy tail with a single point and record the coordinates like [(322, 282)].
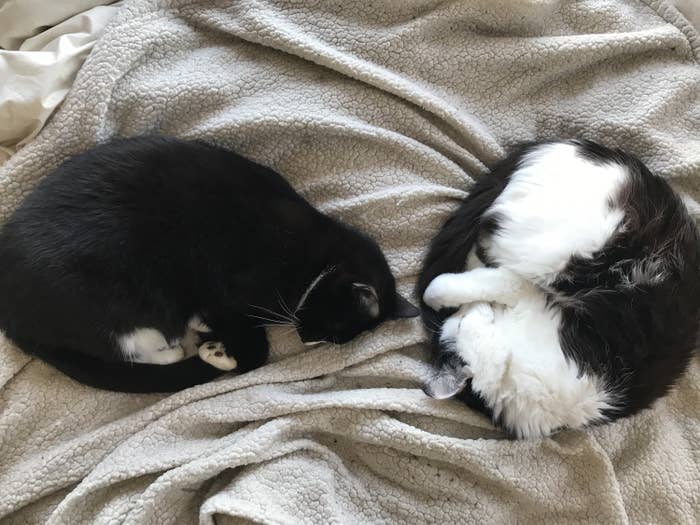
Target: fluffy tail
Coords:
[(448, 254), (451, 246), (123, 376)]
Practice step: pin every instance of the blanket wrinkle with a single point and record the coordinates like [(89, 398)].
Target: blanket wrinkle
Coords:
[(379, 113), (267, 29)]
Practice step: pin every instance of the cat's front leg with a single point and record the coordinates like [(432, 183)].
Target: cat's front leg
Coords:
[(238, 344), (452, 290), (214, 353)]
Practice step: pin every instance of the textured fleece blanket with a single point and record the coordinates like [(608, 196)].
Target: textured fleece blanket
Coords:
[(378, 112)]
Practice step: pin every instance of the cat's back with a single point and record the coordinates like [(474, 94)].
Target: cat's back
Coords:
[(151, 174), (142, 190), (615, 252), (138, 210), (557, 202)]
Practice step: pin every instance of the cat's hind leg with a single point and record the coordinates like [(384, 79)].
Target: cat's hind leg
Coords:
[(476, 339), (455, 368), (148, 345)]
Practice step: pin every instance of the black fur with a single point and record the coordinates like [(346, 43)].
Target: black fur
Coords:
[(147, 232), (448, 254), (639, 336)]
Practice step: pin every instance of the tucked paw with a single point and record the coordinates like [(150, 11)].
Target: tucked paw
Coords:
[(450, 328), (198, 325), (483, 312), (439, 293), (214, 353), (477, 316), (168, 355)]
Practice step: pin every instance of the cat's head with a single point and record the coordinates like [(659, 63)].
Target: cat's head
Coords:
[(351, 297)]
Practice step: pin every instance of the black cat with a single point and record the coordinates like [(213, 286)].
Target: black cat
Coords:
[(128, 257)]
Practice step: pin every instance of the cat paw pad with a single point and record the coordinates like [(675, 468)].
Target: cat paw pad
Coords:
[(214, 353)]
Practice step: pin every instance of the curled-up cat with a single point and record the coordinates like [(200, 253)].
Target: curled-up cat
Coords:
[(580, 302), (140, 252)]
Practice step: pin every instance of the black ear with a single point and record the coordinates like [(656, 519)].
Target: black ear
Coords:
[(404, 309)]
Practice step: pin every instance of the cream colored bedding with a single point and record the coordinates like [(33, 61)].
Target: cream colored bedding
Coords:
[(377, 111)]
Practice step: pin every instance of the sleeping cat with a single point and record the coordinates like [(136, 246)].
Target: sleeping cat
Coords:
[(141, 251), (581, 299)]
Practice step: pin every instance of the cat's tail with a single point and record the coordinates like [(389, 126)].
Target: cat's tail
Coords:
[(121, 376), (448, 253), (450, 248)]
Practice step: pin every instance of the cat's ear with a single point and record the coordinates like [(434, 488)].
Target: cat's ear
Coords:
[(368, 297), (404, 309), (448, 382)]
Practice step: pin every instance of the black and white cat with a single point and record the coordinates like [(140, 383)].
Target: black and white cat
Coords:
[(581, 299), (132, 256)]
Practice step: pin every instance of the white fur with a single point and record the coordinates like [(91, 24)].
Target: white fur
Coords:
[(481, 284), (196, 324), (190, 342), (519, 369), (556, 204), (148, 345)]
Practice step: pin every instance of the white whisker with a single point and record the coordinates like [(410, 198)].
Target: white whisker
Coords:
[(280, 318), (286, 308), (276, 322)]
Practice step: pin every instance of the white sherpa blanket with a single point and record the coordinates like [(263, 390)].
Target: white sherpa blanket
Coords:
[(377, 111)]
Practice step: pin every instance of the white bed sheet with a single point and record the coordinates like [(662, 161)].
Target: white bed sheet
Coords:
[(43, 44)]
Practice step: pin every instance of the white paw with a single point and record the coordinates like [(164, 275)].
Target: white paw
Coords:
[(167, 355), (482, 311), (214, 353), (476, 317), (450, 328), (439, 293), (198, 325), (190, 342)]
